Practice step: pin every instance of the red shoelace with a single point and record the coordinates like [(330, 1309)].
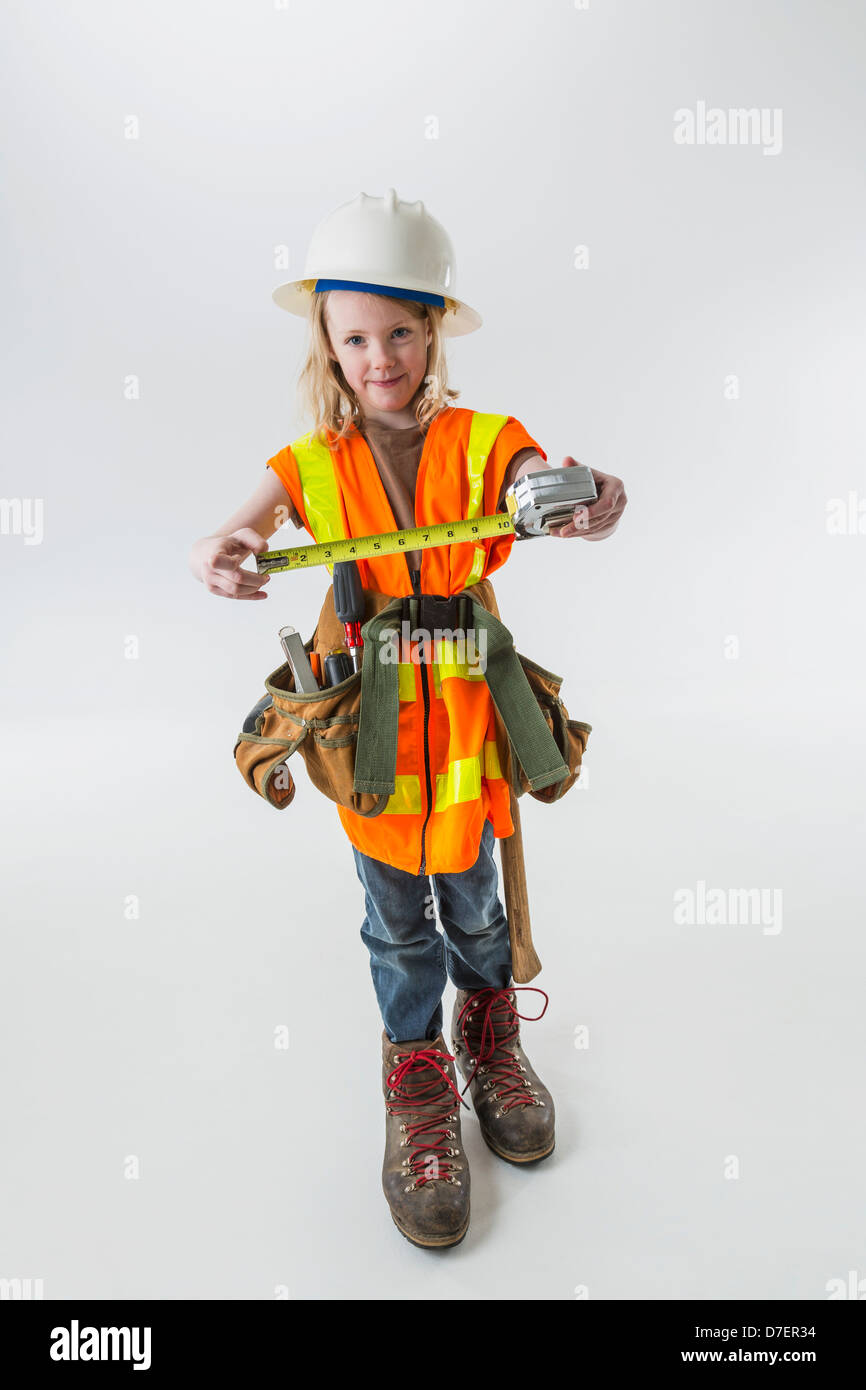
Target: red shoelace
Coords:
[(416, 1092), (499, 1026)]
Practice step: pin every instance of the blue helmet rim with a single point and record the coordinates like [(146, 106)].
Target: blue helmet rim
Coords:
[(423, 296)]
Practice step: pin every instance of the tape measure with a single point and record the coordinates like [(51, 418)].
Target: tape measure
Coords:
[(304, 557), (535, 502)]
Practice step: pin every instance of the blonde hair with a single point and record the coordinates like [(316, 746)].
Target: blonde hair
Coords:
[(327, 397)]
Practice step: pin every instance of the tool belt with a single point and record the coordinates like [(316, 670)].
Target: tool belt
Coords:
[(347, 733)]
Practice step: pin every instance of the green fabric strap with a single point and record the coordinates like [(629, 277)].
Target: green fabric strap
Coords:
[(376, 751), (512, 695)]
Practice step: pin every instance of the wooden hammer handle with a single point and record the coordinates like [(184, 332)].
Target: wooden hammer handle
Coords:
[(525, 964)]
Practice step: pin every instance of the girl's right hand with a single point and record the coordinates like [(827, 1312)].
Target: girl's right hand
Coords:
[(216, 562)]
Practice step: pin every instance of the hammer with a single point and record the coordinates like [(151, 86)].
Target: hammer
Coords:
[(525, 964)]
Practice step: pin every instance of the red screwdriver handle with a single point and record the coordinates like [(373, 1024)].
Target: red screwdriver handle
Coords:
[(349, 605)]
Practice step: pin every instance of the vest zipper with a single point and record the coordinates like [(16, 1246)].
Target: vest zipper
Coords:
[(425, 691), (426, 694)]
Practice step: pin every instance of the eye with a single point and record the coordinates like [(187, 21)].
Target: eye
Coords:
[(401, 330), (353, 337)]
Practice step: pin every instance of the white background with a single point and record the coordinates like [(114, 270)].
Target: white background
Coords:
[(155, 257)]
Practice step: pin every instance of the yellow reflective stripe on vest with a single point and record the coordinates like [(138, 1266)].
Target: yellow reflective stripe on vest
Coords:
[(449, 667), (492, 767), (405, 800), (319, 487), (477, 566), (454, 659), (406, 680), (462, 782), (482, 435)]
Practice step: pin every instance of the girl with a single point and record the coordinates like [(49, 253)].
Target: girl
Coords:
[(389, 451)]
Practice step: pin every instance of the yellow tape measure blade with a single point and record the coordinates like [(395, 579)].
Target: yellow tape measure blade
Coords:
[(388, 543)]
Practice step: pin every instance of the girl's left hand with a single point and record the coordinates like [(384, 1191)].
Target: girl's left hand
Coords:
[(596, 520)]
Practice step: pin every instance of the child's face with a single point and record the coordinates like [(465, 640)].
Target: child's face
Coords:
[(376, 341)]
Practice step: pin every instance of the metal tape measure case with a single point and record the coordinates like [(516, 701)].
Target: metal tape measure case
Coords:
[(541, 500)]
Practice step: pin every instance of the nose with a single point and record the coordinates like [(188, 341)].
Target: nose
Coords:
[(382, 355)]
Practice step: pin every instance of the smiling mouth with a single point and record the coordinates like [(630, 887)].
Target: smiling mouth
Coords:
[(391, 381)]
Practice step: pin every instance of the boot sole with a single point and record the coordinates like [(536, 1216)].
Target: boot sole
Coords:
[(438, 1242), (518, 1159)]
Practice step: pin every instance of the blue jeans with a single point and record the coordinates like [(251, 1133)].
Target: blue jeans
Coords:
[(410, 960)]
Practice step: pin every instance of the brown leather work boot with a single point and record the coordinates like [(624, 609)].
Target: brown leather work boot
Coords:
[(425, 1175), (514, 1107)]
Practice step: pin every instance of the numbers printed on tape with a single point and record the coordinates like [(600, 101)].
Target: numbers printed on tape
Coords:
[(388, 543)]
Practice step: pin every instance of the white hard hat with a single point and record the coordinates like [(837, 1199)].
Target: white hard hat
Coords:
[(384, 246)]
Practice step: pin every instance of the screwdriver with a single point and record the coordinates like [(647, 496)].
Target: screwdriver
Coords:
[(349, 606), (338, 667)]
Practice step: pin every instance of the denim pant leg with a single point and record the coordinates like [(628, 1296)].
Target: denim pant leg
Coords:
[(477, 943), (407, 955)]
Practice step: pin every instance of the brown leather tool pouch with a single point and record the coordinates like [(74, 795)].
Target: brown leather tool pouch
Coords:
[(570, 735)]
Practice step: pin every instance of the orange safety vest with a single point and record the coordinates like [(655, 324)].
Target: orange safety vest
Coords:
[(448, 776)]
